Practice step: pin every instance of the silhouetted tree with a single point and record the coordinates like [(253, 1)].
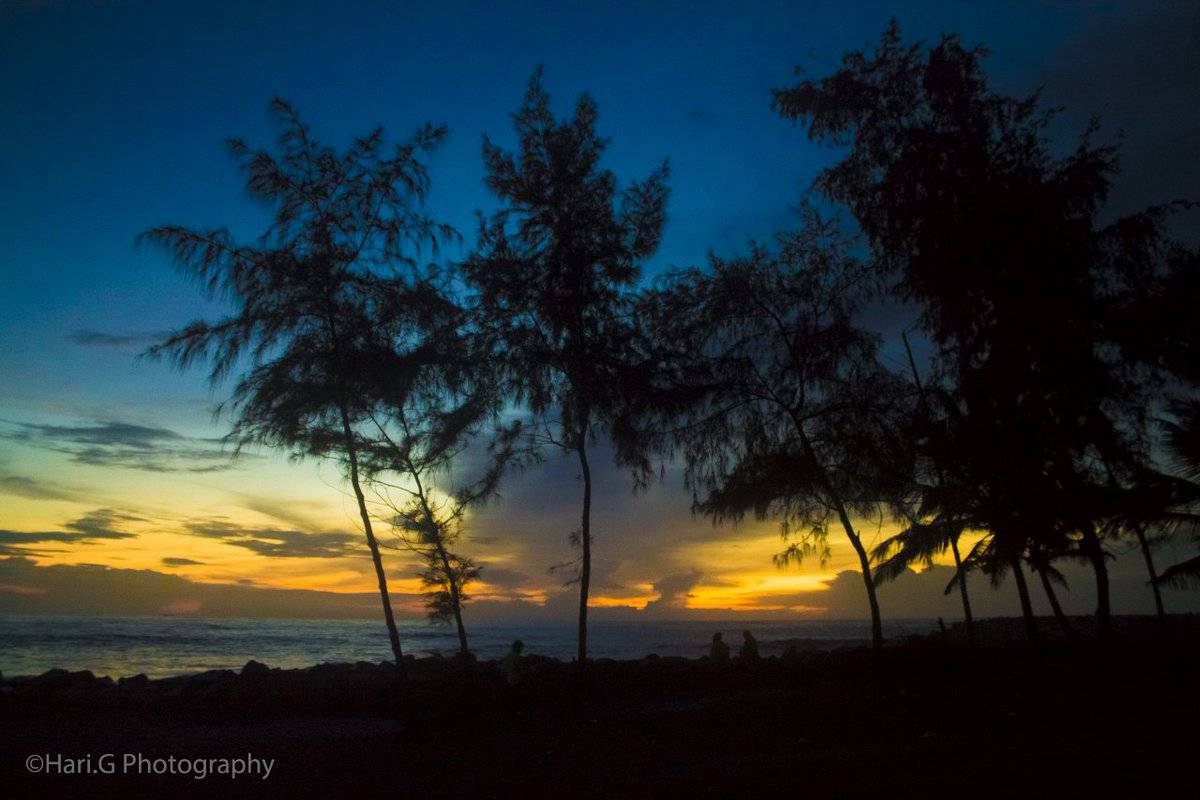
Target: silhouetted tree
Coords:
[(314, 316), (432, 532), (1040, 560), (419, 442), (919, 544), (553, 275), (777, 373), (914, 452), (1183, 443), (949, 501), (963, 203)]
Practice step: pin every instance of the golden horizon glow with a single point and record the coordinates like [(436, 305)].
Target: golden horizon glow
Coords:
[(167, 513)]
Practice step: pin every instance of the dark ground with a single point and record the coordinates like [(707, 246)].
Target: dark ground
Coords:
[(925, 719)]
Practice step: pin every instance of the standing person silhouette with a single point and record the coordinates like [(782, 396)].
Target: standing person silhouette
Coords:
[(749, 650), (719, 652), (511, 666)]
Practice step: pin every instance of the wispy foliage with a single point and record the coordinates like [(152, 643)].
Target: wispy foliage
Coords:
[(553, 275), (779, 389), (332, 311)]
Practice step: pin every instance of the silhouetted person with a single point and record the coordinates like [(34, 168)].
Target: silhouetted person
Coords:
[(749, 650), (511, 665), (720, 650)]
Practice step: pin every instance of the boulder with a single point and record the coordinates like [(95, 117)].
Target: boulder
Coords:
[(255, 669)]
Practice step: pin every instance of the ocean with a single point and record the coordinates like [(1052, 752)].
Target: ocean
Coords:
[(176, 645)]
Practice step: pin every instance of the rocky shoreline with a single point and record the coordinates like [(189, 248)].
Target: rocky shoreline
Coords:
[(436, 682), (1081, 718)]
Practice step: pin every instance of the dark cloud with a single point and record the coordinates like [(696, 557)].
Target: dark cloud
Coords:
[(283, 510), (297, 544), (28, 588), (501, 578), (122, 444), (1134, 67), (180, 562), (673, 591), (275, 543), (31, 489), (101, 524), (104, 434), (216, 529), (95, 525), (121, 341)]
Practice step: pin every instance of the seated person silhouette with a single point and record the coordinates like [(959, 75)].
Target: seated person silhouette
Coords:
[(749, 649), (719, 652), (511, 665)]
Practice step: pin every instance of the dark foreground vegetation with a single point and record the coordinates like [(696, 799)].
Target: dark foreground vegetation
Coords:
[(928, 717)]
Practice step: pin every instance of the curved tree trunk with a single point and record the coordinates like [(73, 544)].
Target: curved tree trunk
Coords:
[(1031, 629), (585, 538), (1052, 596), (865, 563), (855, 542), (372, 544), (1144, 543), (1095, 554), (968, 618)]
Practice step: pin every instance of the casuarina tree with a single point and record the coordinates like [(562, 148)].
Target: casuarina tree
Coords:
[(552, 279), (776, 381), (421, 443), (998, 240), (313, 298)]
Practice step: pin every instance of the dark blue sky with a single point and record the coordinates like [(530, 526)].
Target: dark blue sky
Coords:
[(115, 114)]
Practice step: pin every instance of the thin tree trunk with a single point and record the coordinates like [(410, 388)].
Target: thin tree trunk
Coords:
[(1145, 545), (372, 544), (855, 542), (455, 602), (865, 563), (1052, 596), (1095, 554), (968, 618), (585, 538), (1031, 629)]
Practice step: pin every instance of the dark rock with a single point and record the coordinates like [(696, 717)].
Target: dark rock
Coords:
[(56, 679), (255, 669), (52, 676), (210, 677), (134, 682)]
